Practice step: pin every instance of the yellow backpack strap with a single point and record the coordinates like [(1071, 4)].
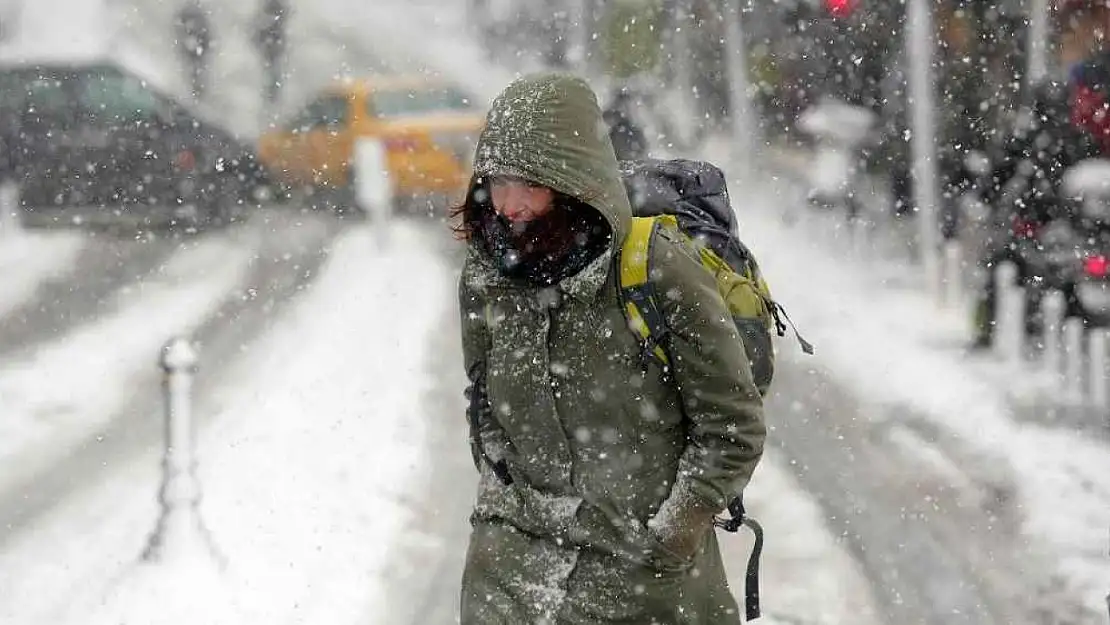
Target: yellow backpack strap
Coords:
[(637, 292)]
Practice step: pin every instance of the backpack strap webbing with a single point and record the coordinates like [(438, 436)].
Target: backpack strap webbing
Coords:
[(638, 292), (740, 518)]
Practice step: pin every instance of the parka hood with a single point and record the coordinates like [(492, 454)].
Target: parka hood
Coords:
[(548, 128)]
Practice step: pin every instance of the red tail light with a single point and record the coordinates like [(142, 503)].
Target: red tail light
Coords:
[(185, 161), (1097, 266), (1026, 228), (840, 8)]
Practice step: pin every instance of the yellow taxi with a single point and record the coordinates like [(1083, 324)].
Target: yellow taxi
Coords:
[(428, 130)]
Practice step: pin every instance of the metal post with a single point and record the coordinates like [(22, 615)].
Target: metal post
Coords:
[(1037, 42), (180, 533), (1073, 360), (740, 108), (953, 274), (920, 52), (1097, 342), (1053, 309)]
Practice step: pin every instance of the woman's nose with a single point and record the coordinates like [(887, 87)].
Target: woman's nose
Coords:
[(513, 202)]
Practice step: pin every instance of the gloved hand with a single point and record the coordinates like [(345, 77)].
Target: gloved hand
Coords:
[(682, 523)]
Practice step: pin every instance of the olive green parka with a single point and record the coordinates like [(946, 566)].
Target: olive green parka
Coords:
[(615, 470)]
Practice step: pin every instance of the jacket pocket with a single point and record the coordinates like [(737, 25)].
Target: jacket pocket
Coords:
[(660, 556)]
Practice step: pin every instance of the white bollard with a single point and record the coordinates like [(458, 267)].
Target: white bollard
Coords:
[(1053, 309), (180, 533), (1097, 342), (1073, 360), (953, 274), (1009, 331), (373, 187)]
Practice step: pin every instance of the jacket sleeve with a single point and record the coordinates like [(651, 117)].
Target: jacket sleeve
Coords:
[(486, 436), (723, 409)]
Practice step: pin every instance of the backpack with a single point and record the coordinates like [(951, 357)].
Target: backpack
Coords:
[(690, 198)]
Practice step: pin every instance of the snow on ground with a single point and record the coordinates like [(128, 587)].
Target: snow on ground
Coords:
[(61, 391), (808, 576), (29, 259), (896, 346), (306, 470), (800, 555)]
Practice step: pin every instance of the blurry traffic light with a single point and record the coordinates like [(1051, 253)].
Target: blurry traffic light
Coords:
[(840, 8)]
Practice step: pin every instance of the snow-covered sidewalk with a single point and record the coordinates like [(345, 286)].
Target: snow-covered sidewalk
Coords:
[(305, 469), (877, 331)]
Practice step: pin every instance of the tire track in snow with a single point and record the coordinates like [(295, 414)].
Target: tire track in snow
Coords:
[(105, 266), (29, 260), (284, 258), (914, 537)]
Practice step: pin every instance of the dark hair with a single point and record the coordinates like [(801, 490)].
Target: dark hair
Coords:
[(465, 217)]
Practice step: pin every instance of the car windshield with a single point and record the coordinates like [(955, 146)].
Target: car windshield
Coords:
[(329, 110), (410, 102), (103, 97), (116, 97)]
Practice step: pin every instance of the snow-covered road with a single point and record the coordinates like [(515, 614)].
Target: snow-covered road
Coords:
[(899, 488), (80, 395), (314, 438)]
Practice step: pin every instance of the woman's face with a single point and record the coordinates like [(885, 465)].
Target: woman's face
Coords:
[(520, 201)]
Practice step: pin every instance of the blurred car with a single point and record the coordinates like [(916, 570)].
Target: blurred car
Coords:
[(93, 143), (428, 130)]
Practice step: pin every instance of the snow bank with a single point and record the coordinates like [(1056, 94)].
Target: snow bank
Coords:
[(893, 344)]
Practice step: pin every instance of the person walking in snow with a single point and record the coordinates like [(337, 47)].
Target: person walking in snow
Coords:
[(270, 39), (193, 41), (599, 475)]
